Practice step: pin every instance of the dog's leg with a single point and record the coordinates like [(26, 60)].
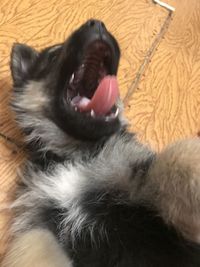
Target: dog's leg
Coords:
[(36, 248), (175, 183)]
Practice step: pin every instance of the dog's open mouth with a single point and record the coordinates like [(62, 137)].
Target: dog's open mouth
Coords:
[(92, 89)]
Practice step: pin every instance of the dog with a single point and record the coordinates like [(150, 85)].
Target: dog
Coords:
[(90, 193)]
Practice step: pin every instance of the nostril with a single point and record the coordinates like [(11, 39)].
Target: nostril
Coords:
[(91, 23)]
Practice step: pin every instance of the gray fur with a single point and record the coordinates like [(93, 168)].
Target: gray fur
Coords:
[(172, 185), (30, 104), (67, 182)]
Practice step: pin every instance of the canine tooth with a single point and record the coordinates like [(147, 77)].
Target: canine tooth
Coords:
[(116, 113), (76, 108), (92, 113), (72, 78), (107, 118)]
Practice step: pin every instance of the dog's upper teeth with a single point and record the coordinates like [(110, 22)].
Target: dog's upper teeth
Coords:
[(92, 113), (75, 108), (72, 78)]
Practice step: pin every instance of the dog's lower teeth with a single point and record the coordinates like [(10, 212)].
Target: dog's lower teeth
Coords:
[(107, 118), (72, 78), (92, 113), (112, 116), (116, 113)]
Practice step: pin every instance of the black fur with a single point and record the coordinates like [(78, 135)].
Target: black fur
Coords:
[(135, 235)]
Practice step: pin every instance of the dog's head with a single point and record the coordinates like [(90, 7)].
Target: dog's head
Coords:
[(73, 84)]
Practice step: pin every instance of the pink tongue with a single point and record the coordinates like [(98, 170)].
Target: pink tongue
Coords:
[(104, 98)]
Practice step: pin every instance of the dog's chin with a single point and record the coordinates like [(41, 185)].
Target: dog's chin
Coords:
[(81, 126)]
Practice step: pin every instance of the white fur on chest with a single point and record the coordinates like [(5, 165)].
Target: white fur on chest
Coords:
[(63, 186)]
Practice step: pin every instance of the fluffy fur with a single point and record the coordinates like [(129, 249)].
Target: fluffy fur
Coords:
[(89, 189), (179, 200), (30, 250)]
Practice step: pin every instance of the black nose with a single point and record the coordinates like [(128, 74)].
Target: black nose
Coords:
[(96, 25)]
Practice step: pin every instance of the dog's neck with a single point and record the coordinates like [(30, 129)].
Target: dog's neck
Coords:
[(48, 143)]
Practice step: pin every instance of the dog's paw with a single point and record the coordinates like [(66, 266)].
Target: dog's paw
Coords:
[(175, 180)]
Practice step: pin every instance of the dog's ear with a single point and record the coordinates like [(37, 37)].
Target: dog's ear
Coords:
[(23, 58)]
